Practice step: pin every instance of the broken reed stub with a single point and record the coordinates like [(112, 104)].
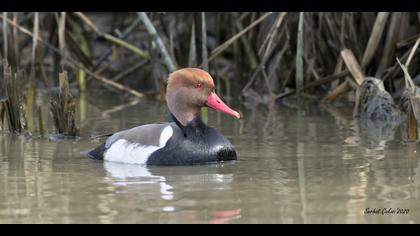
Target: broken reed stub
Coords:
[(63, 109), (3, 91), (375, 103), (412, 134), (410, 103), (11, 107)]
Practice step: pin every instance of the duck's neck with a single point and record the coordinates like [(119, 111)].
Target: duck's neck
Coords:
[(183, 110), (194, 127), (185, 118)]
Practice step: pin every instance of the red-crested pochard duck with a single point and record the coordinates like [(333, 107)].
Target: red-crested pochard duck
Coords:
[(187, 140)]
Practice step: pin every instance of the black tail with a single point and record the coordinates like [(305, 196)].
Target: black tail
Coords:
[(97, 153)]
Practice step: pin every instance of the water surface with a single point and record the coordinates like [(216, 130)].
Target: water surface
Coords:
[(322, 167)]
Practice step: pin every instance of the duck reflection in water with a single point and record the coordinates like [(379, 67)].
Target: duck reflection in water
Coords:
[(126, 174), (172, 182)]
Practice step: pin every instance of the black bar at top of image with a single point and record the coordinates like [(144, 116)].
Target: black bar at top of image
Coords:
[(209, 5)]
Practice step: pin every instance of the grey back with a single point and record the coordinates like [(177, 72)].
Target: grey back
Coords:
[(144, 135)]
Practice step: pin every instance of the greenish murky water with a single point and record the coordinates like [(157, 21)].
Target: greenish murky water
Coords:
[(323, 167)]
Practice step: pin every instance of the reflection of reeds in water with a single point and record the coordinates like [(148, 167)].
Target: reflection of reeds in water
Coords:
[(374, 133)]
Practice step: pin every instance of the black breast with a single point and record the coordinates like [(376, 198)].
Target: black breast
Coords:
[(195, 143)]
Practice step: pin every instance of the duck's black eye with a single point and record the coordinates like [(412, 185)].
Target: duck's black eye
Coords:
[(197, 85)]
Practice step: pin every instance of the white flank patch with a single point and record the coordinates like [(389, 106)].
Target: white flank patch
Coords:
[(134, 153), (165, 135), (126, 152)]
